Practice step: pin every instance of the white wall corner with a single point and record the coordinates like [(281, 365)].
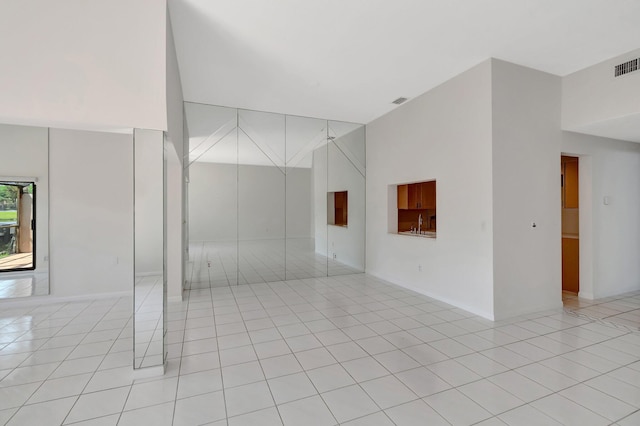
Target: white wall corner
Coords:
[(585, 295), (506, 314)]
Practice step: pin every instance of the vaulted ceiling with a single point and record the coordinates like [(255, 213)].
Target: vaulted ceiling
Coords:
[(349, 59)]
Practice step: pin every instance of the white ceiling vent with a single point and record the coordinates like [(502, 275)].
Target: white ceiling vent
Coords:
[(626, 68), (399, 101)]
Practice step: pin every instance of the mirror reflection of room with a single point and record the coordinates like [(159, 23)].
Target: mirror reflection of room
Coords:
[(24, 205), (337, 208), (257, 196), (149, 223), (17, 244)]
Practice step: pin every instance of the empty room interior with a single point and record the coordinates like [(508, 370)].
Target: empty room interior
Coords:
[(320, 213)]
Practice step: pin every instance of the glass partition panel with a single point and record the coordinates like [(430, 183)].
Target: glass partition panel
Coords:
[(24, 211), (346, 180), (306, 180), (212, 196), (261, 197), (149, 227)]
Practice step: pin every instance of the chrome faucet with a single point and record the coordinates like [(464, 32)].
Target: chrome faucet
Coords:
[(419, 222)]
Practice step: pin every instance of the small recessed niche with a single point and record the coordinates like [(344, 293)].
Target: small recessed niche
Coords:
[(416, 208), (337, 208)]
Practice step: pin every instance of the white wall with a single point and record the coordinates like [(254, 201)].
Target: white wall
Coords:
[(596, 102), (498, 126), (83, 64), (25, 152), (609, 234), (175, 100), (148, 202), (174, 172), (526, 189), (444, 134), (91, 213), (175, 226), (216, 191)]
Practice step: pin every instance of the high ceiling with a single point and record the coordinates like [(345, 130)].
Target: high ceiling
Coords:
[(349, 59)]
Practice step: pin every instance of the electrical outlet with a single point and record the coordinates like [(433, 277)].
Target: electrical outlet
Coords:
[(208, 264), (419, 268), (335, 256)]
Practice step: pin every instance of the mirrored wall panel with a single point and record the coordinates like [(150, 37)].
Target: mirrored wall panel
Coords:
[(305, 181), (346, 176), (257, 196), (24, 211), (261, 197), (149, 249), (212, 196)]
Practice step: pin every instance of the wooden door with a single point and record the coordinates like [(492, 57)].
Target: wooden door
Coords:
[(571, 183), (570, 265)]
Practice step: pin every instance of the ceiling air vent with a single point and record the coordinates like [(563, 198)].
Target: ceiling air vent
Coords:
[(626, 68), (399, 101)]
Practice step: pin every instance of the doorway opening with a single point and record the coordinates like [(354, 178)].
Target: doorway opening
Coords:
[(570, 226), (17, 226)]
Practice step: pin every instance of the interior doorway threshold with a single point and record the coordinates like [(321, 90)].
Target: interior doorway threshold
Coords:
[(621, 311)]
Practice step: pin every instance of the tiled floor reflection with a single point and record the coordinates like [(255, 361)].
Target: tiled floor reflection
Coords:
[(620, 310), (215, 264), (148, 321), (23, 284), (349, 350)]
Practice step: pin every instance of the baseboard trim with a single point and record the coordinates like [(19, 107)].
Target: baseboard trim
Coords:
[(615, 293), (149, 274), (585, 295), (483, 314), (556, 306), (50, 299)]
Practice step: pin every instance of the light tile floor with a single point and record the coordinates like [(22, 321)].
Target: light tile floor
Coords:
[(622, 310), (350, 350)]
